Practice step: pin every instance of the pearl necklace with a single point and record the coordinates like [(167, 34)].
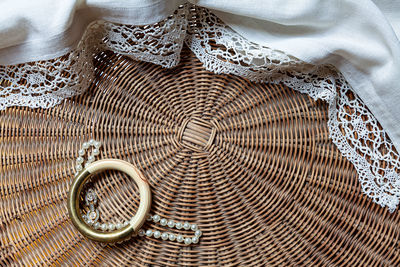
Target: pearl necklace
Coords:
[(93, 215)]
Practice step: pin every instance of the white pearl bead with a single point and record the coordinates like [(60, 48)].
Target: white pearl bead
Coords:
[(95, 152), (186, 226), (157, 234), (179, 238), (194, 227), (90, 158), (89, 197), (92, 213), (126, 223), (172, 237), (149, 233), (198, 233), (81, 152), (96, 225), (178, 225), (111, 227), (149, 217), (85, 145), (104, 227), (91, 142), (156, 218), (171, 224), (188, 241), (79, 160), (78, 167), (141, 232), (163, 222), (97, 144), (195, 240), (119, 225), (164, 236)]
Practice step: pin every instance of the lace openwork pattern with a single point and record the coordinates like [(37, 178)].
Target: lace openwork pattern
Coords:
[(352, 127), (45, 83)]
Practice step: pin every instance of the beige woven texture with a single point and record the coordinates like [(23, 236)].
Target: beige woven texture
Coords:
[(250, 163)]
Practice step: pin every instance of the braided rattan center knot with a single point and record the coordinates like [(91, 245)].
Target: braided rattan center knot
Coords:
[(196, 134)]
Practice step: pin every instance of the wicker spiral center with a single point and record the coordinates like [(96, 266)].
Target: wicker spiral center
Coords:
[(196, 134)]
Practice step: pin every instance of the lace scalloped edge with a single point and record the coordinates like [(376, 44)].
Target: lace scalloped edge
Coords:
[(352, 127)]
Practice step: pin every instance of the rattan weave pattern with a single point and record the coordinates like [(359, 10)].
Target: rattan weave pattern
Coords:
[(250, 163)]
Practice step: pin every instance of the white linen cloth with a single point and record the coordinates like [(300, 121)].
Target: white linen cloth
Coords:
[(391, 10), (45, 29)]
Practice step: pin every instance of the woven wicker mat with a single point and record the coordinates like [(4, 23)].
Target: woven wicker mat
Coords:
[(251, 163)]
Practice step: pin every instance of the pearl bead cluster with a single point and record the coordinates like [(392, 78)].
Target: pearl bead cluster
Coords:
[(106, 226), (170, 236), (82, 152), (92, 216)]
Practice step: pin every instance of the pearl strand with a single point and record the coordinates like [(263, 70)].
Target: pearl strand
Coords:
[(82, 152), (172, 224), (92, 216)]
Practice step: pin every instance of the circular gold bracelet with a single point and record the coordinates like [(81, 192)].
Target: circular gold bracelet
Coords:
[(135, 222)]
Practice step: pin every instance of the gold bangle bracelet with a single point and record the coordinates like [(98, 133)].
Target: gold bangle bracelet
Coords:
[(136, 221)]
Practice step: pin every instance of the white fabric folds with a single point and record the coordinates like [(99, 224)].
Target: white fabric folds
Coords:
[(46, 49)]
